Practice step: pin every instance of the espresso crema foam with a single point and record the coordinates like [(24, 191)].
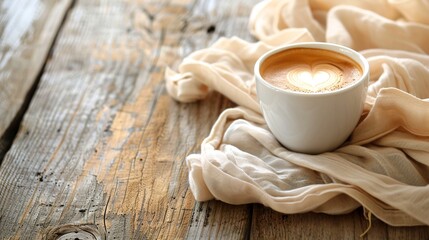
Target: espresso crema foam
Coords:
[(310, 70)]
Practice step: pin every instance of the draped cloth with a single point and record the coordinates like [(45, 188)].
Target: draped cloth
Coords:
[(383, 166)]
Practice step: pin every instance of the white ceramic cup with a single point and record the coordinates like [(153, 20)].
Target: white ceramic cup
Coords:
[(312, 122)]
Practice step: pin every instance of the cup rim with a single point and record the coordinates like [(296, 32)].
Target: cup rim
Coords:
[(356, 56)]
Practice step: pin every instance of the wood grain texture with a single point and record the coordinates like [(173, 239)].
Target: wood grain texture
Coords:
[(268, 224), (100, 152), (27, 31)]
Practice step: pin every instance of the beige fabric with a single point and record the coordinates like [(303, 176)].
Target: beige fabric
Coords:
[(385, 164)]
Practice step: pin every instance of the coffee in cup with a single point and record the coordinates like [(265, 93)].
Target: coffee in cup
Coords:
[(310, 70), (311, 94)]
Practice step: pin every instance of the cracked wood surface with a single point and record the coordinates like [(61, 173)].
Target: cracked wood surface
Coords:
[(100, 151), (24, 46)]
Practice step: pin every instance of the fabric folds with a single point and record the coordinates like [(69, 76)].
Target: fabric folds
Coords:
[(383, 166)]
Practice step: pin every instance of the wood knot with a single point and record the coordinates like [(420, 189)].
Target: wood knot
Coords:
[(74, 232), (211, 29)]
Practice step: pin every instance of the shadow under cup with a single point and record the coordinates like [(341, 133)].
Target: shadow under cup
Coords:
[(313, 122)]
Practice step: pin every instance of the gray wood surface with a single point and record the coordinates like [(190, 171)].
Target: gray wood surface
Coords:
[(27, 30), (100, 151)]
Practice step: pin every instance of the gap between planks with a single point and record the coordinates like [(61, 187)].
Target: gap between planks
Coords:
[(6, 140)]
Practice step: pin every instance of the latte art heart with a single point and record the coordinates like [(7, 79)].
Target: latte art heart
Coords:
[(310, 70), (315, 78)]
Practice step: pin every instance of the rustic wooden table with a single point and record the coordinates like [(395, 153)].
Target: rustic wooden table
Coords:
[(92, 146)]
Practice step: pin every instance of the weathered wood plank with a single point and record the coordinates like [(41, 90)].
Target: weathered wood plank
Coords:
[(268, 224), (100, 150), (27, 31)]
